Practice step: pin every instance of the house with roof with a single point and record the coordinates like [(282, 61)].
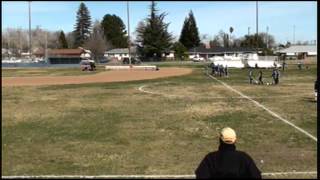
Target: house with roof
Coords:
[(207, 53), (120, 53), (63, 56), (300, 51)]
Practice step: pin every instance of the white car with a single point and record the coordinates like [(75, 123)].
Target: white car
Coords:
[(197, 59)]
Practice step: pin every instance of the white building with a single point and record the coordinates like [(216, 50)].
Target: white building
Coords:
[(120, 53), (296, 50)]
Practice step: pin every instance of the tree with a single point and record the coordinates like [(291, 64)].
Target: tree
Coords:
[(153, 37), (180, 52), (225, 40), (62, 41), (189, 34), (97, 43), (216, 42), (114, 31), (230, 30), (70, 39), (82, 26), (253, 41)]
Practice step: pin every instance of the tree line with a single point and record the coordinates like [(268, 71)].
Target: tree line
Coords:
[(152, 41)]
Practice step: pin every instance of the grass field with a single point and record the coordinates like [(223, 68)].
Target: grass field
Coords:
[(113, 128)]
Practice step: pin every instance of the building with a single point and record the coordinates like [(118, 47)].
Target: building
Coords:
[(64, 56), (300, 51), (217, 51), (120, 53)]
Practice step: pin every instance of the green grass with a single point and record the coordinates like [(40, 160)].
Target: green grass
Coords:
[(112, 128)]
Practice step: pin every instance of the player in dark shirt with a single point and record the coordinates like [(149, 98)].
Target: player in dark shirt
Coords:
[(227, 162)]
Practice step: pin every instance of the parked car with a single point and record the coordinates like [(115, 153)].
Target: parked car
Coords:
[(197, 59)]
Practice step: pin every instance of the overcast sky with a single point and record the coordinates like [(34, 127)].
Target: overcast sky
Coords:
[(211, 16)]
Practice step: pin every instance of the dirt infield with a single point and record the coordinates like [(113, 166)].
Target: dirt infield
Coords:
[(108, 76)]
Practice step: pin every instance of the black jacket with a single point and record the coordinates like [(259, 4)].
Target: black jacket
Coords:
[(227, 162)]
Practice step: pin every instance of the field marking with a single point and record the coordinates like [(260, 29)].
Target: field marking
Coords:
[(141, 88), (149, 92), (142, 176), (265, 108)]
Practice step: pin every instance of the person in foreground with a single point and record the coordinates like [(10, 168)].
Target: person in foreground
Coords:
[(227, 162)]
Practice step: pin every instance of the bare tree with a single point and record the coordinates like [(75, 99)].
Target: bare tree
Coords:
[(97, 43)]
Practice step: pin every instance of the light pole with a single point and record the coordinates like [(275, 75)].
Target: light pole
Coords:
[(46, 50), (294, 28), (248, 31), (128, 32), (30, 43), (267, 38), (257, 24)]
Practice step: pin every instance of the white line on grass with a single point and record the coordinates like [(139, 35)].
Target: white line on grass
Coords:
[(142, 176), (265, 108), (149, 92), (141, 88)]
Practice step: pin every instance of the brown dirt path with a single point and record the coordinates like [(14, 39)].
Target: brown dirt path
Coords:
[(108, 76)]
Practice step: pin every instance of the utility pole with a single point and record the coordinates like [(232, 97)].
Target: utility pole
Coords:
[(248, 31), (30, 43), (267, 38), (128, 33), (294, 28), (257, 24), (46, 50)]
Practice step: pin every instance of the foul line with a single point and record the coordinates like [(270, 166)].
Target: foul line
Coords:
[(268, 110), (140, 176), (141, 88)]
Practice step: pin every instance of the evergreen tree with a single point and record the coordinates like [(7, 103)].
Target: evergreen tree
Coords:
[(189, 34), (62, 41), (82, 26), (180, 52), (114, 31), (152, 35)]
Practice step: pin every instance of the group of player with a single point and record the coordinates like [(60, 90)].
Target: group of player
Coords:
[(219, 70), (275, 77)]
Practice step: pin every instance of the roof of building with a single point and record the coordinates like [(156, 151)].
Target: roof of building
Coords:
[(121, 50), (65, 52), (299, 48), (221, 50)]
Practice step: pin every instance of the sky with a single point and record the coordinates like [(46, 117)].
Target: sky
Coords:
[(284, 19)]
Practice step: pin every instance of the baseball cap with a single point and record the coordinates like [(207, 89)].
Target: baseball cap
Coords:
[(228, 135)]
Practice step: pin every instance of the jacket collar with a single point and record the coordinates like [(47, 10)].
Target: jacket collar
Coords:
[(226, 147)]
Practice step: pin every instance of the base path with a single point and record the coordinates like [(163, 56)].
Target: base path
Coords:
[(108, 76)]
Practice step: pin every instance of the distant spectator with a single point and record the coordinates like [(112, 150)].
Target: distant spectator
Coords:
[(260, 77), (212, 69), (226, 70), (277, 76), (273, 76), (299, 65), (221, 70), (227, 162), (283, 65), (316, 86), (250, 76)]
